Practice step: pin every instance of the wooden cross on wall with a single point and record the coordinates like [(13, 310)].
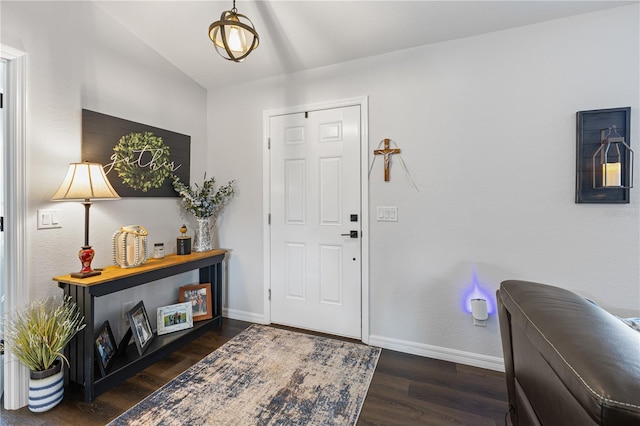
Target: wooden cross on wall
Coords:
[(386, 152)]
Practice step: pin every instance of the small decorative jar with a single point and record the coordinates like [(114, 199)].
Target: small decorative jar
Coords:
[(158, 250), (184, 242)]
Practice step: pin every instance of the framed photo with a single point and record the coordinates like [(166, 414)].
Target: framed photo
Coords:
[(106, 347), (199, 295), (140, 326), (174, 318)]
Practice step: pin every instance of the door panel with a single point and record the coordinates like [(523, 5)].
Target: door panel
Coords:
[(295, 188), (331, 275), (315, 188), (294, 267), (330, 191)]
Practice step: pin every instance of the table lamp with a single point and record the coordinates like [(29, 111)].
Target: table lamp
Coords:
[(85, 182)]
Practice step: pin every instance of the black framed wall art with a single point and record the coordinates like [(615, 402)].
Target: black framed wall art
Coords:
[(139, 160), (592, 129)]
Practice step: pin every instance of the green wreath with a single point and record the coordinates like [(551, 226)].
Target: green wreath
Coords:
[(142, 161)]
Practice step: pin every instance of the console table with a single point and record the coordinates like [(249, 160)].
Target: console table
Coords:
[(81, 350)]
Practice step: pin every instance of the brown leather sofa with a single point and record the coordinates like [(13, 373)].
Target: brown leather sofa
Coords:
[(567, 361)]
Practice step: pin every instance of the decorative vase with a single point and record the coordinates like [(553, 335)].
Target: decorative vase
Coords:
[(46, 388), (202, 239)]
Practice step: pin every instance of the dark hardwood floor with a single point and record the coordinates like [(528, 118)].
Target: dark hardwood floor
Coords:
[(406, 390)]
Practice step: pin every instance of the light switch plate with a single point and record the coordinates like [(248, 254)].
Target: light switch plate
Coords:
[(387, 214), (49, 219)]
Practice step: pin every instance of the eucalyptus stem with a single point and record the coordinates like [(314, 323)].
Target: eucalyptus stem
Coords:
[(204, 201)]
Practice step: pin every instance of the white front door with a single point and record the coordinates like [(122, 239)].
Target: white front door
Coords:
[(316, 220)]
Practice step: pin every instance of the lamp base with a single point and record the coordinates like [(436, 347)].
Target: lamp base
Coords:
[(85, 255), (85, 274)]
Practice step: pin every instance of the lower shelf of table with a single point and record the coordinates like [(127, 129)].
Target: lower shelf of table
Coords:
[(131, 362)]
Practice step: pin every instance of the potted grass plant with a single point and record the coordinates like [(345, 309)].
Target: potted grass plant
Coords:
[(37, 336)]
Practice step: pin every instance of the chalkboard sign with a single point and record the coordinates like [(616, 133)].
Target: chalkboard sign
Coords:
[(139, 160)]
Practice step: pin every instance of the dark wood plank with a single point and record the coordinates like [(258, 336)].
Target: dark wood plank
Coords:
[(405, 390), (412, 390)]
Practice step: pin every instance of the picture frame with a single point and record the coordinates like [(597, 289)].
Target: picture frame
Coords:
[(199, 295), (174, 318), (141, 327), (105, 346), (589, 129)]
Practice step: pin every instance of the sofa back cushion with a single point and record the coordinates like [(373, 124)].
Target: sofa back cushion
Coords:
[(569, 353)]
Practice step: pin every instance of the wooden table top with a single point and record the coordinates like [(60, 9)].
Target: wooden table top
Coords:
[(114, 272)]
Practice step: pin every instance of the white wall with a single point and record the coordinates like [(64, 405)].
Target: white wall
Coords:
[(487, 128), (78, 57), (486, 125)]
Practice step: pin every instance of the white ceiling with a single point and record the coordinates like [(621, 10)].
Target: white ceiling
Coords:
[(298, 35)]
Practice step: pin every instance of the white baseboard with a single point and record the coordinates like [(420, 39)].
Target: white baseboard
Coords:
[(243, 316), (444, 354), (420, 349)]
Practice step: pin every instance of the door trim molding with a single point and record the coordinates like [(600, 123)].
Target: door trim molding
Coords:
[(363, 102), (17, 290)]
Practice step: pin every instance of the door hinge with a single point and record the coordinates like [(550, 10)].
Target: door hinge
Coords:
[(1, 223), (269, 294), (306, 114), (269, 219), (268, 143)]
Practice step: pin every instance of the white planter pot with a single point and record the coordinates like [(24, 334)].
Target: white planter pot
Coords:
[(46, 388)]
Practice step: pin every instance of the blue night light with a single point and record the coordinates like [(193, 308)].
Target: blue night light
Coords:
[(478, 291)]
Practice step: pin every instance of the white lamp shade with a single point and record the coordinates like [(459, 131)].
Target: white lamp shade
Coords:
[(85, 181)]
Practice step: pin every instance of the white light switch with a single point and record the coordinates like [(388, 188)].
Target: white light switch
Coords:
[(387, 214), (49, 219)]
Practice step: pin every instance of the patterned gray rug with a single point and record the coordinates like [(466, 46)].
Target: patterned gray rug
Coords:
[(265, 376)]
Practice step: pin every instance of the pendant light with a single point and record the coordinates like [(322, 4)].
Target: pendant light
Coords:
[(233, 35)]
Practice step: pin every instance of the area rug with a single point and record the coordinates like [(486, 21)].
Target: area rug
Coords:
[(265, 376)]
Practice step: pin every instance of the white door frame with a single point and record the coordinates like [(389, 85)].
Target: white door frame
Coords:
[(363, 102), (16, 284)]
